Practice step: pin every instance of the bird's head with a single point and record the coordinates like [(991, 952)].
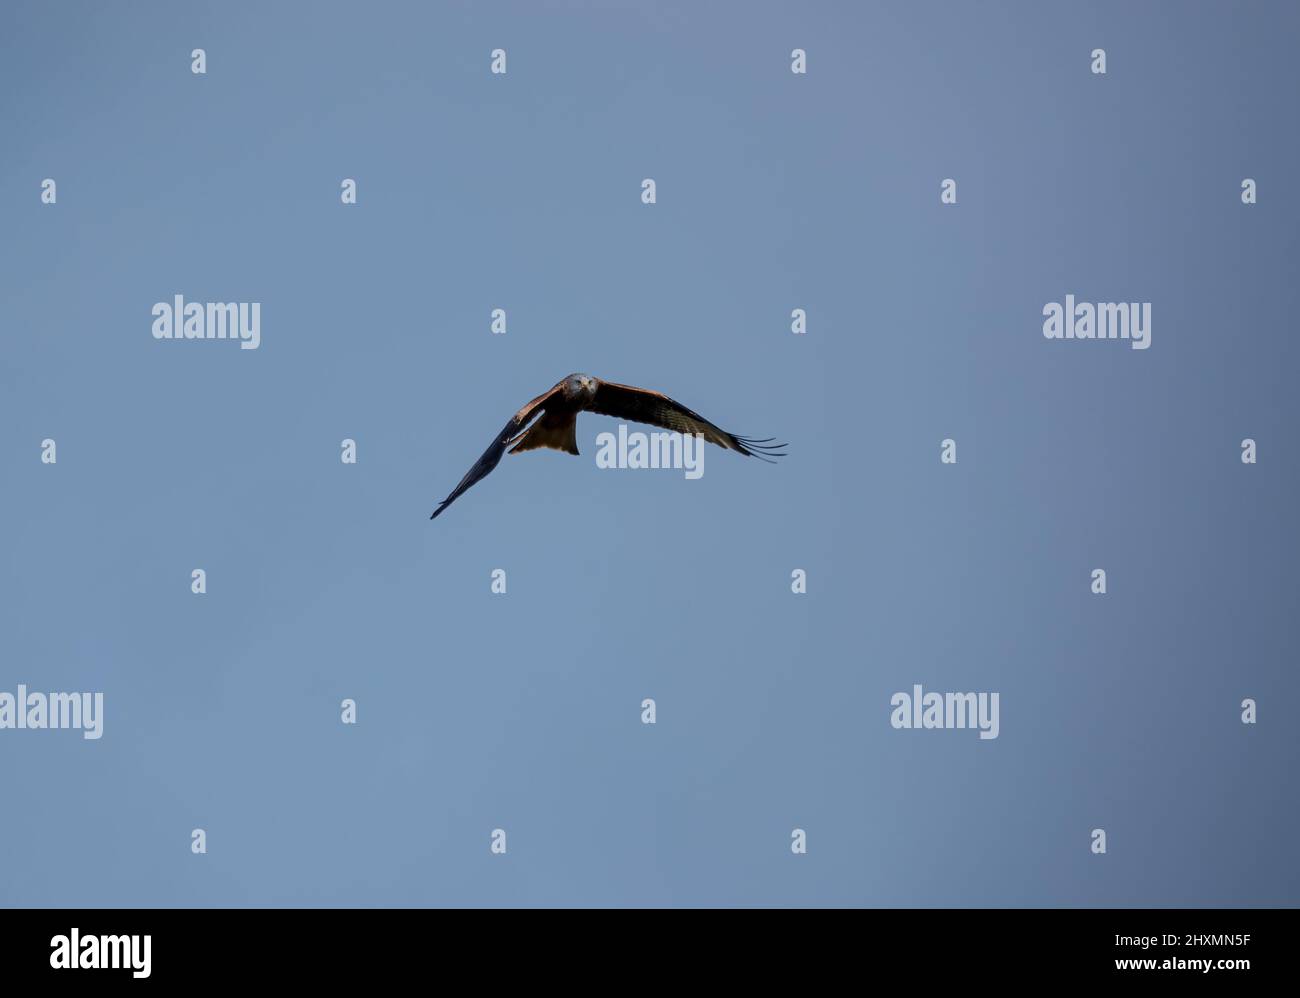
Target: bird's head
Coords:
[(579, 386)]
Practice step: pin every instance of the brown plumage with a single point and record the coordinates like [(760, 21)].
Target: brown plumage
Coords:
[(554, 422)]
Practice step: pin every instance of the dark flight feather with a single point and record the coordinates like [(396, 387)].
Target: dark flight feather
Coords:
[(492, 456), (657, 409)]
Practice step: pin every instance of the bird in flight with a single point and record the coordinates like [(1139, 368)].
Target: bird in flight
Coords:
[(551, 420)]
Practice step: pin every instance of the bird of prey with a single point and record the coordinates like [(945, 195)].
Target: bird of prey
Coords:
[(551, 420)]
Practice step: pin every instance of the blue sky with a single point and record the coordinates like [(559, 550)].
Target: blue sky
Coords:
[(522, 711)]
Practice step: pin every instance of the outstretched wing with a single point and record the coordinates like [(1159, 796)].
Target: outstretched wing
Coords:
[(492, 456), (657, 409)]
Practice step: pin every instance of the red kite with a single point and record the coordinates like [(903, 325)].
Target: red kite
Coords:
[(551, 420)]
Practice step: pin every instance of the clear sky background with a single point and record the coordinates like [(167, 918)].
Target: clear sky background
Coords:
[(522, 711)]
